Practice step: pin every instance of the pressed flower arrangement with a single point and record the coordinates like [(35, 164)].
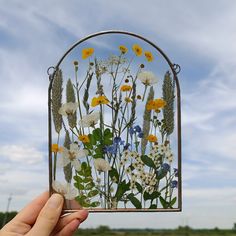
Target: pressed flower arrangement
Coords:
[(115, 138)]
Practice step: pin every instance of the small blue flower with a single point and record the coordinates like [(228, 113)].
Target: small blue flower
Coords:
[(131, 131), (165, 166), (174, 184), (117, 140), (137, 129), (122, 142), (110, 149), (176, 172), (126, 146), (140, 135)]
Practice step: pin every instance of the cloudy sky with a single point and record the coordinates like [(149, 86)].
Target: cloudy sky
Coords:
[(198, 35)]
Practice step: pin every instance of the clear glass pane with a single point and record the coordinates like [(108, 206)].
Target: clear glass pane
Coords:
[(114, 127)]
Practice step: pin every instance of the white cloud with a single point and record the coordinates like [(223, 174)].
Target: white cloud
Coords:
[(21, 154)]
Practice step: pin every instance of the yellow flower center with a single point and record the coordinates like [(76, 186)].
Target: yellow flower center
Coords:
[(72, 155), (152, 138), (84, 138)]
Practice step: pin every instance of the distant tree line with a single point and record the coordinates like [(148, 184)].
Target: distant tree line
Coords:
[(6, 217)]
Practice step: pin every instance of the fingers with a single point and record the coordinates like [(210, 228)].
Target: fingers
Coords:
[(29, 214), (48, 217), (80, 215), (69, 229)]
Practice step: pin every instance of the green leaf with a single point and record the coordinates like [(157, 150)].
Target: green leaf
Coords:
[(121, 189), (84, 165), (172, 202), (148, 161), (134, 201), (153, 206), (81, 199), (97, 134), (99, 150), (113, 173), (87, 180), (160, 174), (154, 195), (164, 203), (108, 141), (92, 140), (89, 186), (87, 172), (95, 204), (95, 156), (93, 193), (79, 186), (139, 187), (107, 133), (78, 179)]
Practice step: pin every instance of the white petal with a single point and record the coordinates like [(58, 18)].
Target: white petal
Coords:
[(74, 147), (82, 153), (71, 193), (101, 164), (60, 162), (58, 187), (77, 165)]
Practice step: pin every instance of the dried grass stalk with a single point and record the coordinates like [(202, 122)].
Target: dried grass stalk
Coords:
[(86, 93), (67, 169), (56, 100), (70, 97), (146, 121), (168, 90)]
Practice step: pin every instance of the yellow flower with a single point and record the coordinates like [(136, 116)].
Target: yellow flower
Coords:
[(152, 138), (155, 104), (123, 49), (84, 138), (148, 56), (55, 148), (151, 105), (127, 99), (137, 50), (125, 88), (87, 52), (160, 103), (99, 100)]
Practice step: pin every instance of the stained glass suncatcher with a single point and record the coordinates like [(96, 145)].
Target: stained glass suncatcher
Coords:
[(114, 126)]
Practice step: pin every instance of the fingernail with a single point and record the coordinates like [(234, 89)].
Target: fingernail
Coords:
[(55, 201)]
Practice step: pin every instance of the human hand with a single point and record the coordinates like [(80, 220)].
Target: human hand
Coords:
[(41, 217)]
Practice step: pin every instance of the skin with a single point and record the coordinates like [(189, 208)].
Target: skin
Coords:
[(41, 217)]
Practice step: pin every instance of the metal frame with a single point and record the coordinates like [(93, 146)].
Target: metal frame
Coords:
[(175, 68)]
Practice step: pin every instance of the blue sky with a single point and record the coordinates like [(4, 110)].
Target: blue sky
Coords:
[(198, 35)]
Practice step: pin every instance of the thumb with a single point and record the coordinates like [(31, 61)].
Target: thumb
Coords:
[(48, 217)]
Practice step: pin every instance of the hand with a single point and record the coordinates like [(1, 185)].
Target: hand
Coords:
[(42, 218)]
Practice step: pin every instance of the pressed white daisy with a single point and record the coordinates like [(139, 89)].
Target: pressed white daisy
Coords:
[(68, 108), (162, 149), (128, 170), (101, 165), (147, 78), (71, 155), (90, 120), (170, 156), (65, 189), (149, 190)]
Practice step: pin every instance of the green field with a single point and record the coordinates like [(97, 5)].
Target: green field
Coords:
[(182, 231)]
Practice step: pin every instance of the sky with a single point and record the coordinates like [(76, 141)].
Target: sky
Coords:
[(199, 35)]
